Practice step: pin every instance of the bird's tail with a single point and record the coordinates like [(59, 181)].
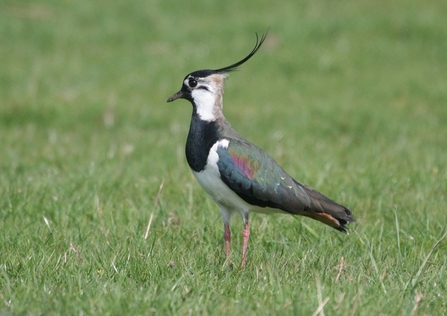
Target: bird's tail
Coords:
[(327, 211)]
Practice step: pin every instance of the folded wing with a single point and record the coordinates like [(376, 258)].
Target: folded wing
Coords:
[(260, 181)]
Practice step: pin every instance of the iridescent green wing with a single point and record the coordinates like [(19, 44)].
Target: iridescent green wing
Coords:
[(258, 179)]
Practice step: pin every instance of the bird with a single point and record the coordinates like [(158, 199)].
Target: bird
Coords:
[(239, 176)]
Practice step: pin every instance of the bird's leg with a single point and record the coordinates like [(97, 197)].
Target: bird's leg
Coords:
[(227, 237), (245, 237)]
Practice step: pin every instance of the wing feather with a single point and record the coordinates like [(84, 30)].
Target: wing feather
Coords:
[(260, 181)]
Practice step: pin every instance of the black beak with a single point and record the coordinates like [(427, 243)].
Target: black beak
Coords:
[(176, 96)]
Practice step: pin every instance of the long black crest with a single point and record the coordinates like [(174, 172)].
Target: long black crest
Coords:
[(236, 65)]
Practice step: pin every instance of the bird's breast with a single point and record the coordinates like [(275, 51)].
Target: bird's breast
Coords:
[(201, 137)]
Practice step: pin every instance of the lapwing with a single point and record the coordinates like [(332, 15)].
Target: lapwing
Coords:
[(238, 175)]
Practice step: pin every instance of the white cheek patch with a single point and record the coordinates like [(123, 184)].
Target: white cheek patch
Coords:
[(204, 101)]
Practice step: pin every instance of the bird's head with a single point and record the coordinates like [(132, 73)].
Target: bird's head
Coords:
[(204, 88)]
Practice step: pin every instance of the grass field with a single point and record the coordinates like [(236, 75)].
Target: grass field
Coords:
[(350, 97)]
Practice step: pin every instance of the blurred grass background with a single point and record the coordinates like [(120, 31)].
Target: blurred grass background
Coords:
[(349, 96)]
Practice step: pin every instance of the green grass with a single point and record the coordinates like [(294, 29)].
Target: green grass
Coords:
[(350, 97)]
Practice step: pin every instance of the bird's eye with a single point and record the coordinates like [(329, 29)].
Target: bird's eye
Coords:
[(192, 82)]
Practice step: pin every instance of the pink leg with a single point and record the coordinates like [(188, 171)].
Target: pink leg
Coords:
[(245, 237), (227, 237)]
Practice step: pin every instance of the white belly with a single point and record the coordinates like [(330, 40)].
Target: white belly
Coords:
[(210, 181)]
